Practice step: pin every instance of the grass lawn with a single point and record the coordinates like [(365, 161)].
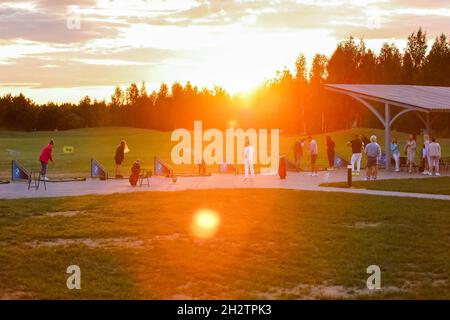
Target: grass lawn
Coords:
[(434, 185), (278, 244), (100, 143)]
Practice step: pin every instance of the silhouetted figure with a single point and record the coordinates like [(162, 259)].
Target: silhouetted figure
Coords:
[(120, 156), (330, 152)]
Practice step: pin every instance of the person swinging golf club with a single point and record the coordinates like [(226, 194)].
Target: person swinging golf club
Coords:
[(122, 148), (45, 157)]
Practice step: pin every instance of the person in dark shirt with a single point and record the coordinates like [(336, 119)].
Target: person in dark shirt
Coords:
[(330, 152), (357, 146), (298, 153), (365, 140), (120, 156)]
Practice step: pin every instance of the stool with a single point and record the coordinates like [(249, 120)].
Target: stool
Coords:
[(145, 175), (33, 182)]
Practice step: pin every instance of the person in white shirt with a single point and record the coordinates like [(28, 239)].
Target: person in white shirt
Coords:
[(426, 157), (434, 152), (313, 152), (248, 159)]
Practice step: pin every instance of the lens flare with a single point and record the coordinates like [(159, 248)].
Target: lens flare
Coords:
[(232, 123), (205, 223)]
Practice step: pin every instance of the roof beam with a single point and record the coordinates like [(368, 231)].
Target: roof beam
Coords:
[(369, 106), (377, 99)]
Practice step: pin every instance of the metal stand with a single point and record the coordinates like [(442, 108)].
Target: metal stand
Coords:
[(145, 176), (34, 183)]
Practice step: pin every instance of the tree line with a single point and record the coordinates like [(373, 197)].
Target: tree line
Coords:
[(292, 101)]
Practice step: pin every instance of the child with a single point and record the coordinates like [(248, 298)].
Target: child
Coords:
[(434, 152)]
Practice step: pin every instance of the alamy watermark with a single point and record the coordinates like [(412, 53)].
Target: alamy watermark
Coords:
[(74, 280), (228, 149), (73, 21), (374, 280)]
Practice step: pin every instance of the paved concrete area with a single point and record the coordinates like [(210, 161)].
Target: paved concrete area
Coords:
[(294, 181)]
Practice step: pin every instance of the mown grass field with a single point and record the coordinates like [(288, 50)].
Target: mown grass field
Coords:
[(100, 143), (433, 185), (271, 244)]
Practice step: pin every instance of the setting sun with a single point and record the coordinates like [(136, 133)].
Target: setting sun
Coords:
[(205, 223)]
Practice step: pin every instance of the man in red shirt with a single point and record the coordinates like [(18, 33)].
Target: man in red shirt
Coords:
[(46, 155)]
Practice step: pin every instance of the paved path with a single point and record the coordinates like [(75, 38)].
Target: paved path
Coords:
[(294, 181)]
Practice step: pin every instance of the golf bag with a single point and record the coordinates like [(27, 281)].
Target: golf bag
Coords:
[(282, 167), (135, 171)]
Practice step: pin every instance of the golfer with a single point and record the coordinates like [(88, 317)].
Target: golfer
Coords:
[(434, 152), (330, 152), (395, 150), (248, 159), (298, 154), (357, 147), (373, 152), (410, 150), (120, 156), (313, 152), (426, 157), (46, 155)]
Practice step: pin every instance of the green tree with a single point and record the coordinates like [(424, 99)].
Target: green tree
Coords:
[(407, 69), (301, 70), (368, 67), (118, 98), (318, 73), (132, 94), (344, 62), (417, 49), (389, 64), (436, 67), (143, 93)]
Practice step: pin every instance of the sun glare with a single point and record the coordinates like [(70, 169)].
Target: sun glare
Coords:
[(205, 223)]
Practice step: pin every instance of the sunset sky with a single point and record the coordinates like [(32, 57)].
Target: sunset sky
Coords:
[(233, 43)]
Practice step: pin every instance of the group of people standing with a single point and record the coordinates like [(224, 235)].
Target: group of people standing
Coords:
[(431, 154), (370, 147), (356, 144), (313, 152), (361, 145)]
